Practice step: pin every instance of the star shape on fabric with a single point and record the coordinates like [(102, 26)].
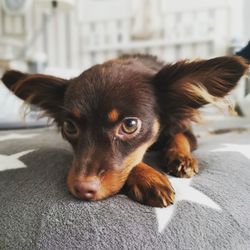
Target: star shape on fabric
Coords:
[(183, 191), (12, 162)]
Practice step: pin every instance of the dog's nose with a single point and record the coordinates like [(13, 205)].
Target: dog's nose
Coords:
[(86, 190)]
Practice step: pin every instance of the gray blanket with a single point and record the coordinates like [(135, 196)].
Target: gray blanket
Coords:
[(211, 211)]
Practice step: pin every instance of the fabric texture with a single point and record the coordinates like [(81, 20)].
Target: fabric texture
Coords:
[(211, 210)]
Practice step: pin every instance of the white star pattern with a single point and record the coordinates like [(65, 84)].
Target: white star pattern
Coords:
[(183, 191), (12, 161)]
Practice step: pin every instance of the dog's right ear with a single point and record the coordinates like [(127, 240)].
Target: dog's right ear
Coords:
[(44, 91), (185, 86)]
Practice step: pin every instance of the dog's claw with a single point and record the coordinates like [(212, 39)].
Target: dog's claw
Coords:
[(165, 203)]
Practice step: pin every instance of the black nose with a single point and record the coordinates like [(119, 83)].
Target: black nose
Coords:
[(86, 190)]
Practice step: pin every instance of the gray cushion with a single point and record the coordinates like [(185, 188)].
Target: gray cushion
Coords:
[(37, 212)]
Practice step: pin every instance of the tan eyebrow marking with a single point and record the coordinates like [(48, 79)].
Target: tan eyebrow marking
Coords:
[(113, 115), (76, 112)]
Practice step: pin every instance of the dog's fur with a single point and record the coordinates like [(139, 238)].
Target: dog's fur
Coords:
[(162, 99)]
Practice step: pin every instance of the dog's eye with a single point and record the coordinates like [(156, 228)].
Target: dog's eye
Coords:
[(130, 125), (70, 128)]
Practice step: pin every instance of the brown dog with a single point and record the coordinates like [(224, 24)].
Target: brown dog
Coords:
[(114, 112)]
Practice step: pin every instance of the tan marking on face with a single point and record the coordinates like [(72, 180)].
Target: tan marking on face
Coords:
[(113, 115), (76, 112), (136, 157), (156, 128), (111, 183)]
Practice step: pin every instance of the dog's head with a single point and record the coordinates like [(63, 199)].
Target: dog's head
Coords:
[(113, 112)]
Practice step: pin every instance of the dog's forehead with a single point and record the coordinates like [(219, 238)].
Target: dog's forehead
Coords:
[(112, 90)]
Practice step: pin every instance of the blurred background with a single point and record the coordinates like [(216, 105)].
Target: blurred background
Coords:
[(65, 37)]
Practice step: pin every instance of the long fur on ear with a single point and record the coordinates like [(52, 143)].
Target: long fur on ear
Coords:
[(10, 77), (45, 91), (183, 87)]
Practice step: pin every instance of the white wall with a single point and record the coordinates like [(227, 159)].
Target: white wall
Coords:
[(246, 20), (94, 31)]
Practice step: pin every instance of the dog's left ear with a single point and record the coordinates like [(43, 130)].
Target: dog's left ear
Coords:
[(44, 91), (183, 87)]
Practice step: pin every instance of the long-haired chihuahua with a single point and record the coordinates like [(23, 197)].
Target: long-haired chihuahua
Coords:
[(114, 112)]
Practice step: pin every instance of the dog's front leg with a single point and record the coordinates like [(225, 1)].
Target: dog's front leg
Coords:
[(148, 186), (178, 159)]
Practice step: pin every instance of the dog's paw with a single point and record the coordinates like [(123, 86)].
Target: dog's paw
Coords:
[(149, 187), (184, 166)]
